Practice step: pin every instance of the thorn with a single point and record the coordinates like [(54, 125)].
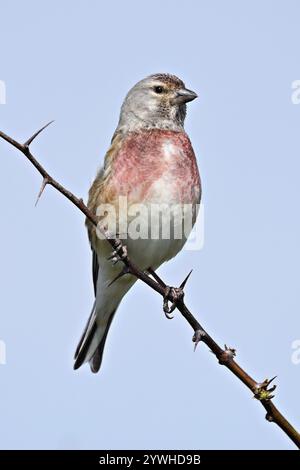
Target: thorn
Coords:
[(152, 273), (31, 139), (231, 352), (271, 380), (269, 417), (227, 355), (198, 335), (124, 271), (44, 184), (262, 392), (182, 285)]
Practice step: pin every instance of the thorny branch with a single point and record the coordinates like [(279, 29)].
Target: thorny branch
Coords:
[(261, 391)]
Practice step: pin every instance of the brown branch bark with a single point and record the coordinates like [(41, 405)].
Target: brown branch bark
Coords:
[(225, 356)]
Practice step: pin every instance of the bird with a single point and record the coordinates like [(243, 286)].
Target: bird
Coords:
[(150, 163)]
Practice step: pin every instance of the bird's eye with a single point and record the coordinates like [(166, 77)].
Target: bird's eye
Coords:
[(158, 89)]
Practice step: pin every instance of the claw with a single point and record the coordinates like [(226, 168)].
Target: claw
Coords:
[(113, 257), (169, 315), (167, 310), (119, 254)]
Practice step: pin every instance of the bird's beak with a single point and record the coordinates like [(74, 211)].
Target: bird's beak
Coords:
[(184, 96)]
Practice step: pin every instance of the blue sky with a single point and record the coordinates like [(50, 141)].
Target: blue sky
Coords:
[(74, 62)]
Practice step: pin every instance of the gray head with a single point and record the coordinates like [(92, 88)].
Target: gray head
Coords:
[(158, 101)]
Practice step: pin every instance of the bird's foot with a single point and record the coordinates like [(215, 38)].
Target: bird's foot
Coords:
[(171, 294), (176, 294), (262, 392), (119, 254)]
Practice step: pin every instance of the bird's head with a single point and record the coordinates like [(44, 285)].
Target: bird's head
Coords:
[(158, 101)]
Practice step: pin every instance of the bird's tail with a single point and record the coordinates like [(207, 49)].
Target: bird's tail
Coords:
[(91, 345)]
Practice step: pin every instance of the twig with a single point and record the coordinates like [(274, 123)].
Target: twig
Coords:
[(225, 356)]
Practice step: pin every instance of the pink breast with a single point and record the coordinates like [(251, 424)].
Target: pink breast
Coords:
[(148, 157)]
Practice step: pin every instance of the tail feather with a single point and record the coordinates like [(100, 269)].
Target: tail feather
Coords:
[(88, 326), (86, 339), (91, 345), (96, 360)]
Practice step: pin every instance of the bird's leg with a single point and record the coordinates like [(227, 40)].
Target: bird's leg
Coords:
[(176, 294), (167, 289), (119, 254), (166, 308)]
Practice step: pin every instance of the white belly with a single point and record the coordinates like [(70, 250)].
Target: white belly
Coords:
[(157, 233)]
